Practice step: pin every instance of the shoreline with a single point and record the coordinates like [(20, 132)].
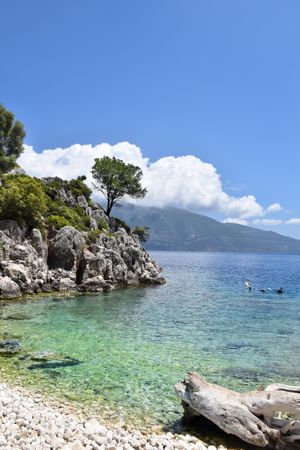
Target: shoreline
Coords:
[(30, 421)]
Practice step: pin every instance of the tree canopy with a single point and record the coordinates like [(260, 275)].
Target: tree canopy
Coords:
[(115, 179), (11, 140), (23, 198)]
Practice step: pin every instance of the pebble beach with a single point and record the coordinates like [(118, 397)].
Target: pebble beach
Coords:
[(30, 422)]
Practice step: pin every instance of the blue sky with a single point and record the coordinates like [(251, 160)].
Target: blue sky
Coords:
[(216, 79)]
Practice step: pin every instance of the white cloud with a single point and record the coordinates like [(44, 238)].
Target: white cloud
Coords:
[(295, 221), (183, 181), (237, 221), (76, 160), (243, 207), (267, 222), (275, 207)]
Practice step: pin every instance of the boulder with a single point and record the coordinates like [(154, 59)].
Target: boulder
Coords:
[(13, 230), (8, 288), (18, 273), (59, 192), (9, 347), (81, 200), (65, 248), (99, 214), (38, 244)]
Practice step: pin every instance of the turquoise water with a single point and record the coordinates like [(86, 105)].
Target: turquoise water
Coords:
[(134, 345)]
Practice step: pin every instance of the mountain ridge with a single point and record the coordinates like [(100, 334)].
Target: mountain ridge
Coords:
[(181, 230)]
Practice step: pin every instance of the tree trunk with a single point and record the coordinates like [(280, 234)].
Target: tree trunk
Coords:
[(250, 415)]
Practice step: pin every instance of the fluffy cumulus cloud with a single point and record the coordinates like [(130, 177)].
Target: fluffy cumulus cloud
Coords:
[(183, 181)]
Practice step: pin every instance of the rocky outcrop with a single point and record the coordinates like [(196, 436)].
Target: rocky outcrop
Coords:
[(68, 260)]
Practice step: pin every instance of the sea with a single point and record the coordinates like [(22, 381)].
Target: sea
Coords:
[(132, 345)]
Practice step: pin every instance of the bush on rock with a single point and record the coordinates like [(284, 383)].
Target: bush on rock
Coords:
[(23, 198)]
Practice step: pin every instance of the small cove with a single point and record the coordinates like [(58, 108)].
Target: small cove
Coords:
[(133, 345)]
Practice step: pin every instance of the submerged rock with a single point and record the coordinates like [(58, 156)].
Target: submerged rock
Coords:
[(55, 363), (9, 347), (48, 360), (18, 316)]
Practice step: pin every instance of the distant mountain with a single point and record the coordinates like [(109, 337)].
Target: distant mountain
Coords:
[(177, 229)]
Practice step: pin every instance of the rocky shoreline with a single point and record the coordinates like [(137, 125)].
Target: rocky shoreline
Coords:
[(30, 422), (102, 257)]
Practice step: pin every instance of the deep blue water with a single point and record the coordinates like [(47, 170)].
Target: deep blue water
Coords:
[(134, 344)]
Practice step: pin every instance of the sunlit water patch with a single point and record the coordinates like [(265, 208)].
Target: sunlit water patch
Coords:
[(133, 345)]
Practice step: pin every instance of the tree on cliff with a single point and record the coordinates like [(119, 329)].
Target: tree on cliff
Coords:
[(115, 179), (11, 140)]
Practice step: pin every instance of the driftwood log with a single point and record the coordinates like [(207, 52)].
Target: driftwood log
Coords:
[(255, 417)]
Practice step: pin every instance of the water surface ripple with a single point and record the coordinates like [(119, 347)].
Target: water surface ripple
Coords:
[(134, 344)]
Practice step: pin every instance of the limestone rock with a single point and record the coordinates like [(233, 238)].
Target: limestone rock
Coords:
[(67, 260), (13, 230), (64, 248), (37, 243), (8, 288)]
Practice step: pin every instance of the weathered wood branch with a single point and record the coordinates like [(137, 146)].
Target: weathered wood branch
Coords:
[(249, 415)]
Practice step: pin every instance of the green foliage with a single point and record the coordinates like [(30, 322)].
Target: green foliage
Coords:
[(143, 233), (23, 198), (39, 204), (61, 215), (102, 225), (78, 187), (115, 179), (11, 140), (52, 187), (57, 222), (122, 224)]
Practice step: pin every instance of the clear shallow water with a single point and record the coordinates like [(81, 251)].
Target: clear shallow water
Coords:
[(135, 344)]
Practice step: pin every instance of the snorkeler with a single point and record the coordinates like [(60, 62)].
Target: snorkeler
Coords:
[(248, 285)]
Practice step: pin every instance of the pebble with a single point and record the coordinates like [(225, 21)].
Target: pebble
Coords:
[(32, 423)]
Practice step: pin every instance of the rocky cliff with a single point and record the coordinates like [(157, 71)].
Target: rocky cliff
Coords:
[(103, 257)]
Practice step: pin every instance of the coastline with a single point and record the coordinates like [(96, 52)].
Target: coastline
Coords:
[(31, 421)]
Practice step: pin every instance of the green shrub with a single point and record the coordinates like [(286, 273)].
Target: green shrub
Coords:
[(30, 200), (142, 233), (53, 186), (78, 187), (23, 198), (74, 217), (58, 222), (102, 224), (121, 224)]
